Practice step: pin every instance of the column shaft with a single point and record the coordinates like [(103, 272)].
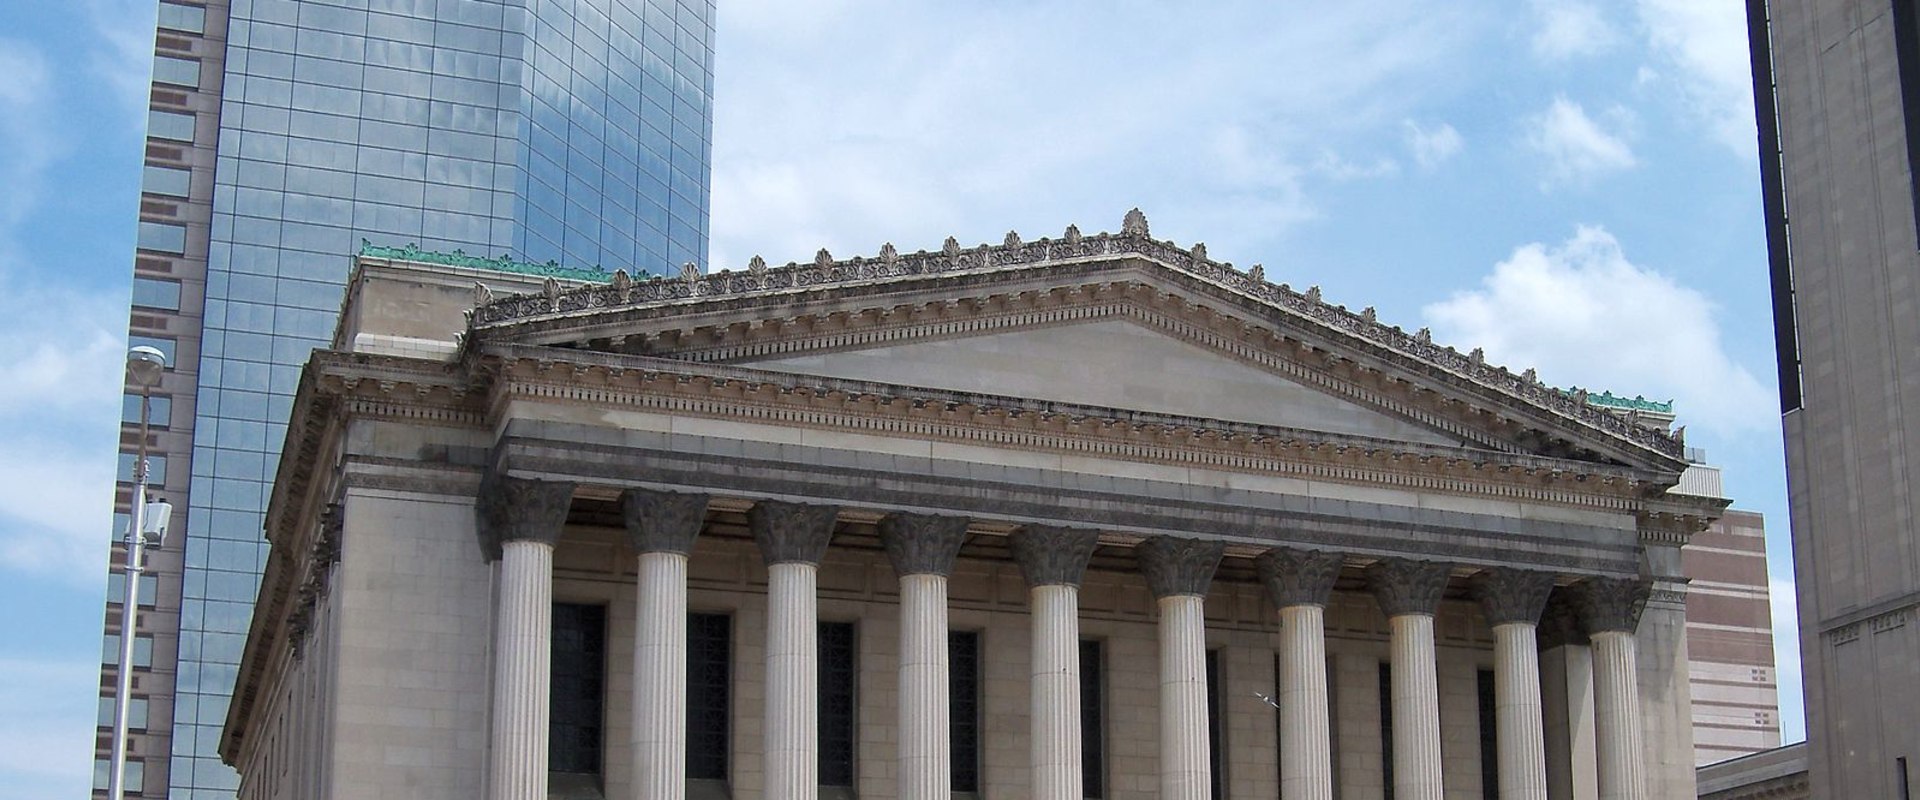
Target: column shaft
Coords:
[(1185, 770), (1056, 692), (1416, 710), (793, 682), (523, 661), (1616, 700), (1517, 711), (660, 678), (926, 750), (1306, 751)]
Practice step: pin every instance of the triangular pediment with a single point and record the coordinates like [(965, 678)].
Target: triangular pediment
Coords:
[(1108, 363), (1121, 322)]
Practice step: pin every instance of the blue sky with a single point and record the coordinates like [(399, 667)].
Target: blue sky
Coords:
[(1570, 185)]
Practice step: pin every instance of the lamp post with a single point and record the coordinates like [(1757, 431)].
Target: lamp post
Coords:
[(144, 366)]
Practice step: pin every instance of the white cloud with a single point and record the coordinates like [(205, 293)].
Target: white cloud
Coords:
[(122, 57), (1704, 45), (47, 713), (31, 144), (1008, 124), (1577, 149), (1584, 315), (1431, 148), (1569, 29)]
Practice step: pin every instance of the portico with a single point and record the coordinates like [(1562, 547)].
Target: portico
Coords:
[(1271, 495)]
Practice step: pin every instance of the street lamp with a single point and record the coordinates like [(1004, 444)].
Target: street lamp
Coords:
[(144, 366)]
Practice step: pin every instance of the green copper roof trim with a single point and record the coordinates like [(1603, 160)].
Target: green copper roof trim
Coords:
[(504, 263), (1611, 400)]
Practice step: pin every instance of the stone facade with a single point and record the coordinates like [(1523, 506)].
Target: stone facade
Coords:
[(1105, 438)]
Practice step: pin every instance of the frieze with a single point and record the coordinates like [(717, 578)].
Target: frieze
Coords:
[(1013, 253)]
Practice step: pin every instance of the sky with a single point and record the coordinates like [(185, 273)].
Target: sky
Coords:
[(1570, 185)]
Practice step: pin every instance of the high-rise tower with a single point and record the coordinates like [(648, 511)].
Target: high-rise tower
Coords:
[(1837, 89), (282, 134)]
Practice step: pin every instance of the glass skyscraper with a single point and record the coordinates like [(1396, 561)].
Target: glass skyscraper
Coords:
[(282, 134)]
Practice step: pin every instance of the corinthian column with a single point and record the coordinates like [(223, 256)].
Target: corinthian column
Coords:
[(792, 538), (1178, 571), (1512, 601), (1409, 592), (518, 522), (1299, 583), (922, 549), (661, 527), (1610, 611), (1053, 560)]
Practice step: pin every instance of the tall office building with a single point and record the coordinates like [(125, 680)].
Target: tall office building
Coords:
[(282, 134), (1837, 90)]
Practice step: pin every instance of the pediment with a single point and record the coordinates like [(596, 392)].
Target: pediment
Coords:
[(1115, 363), (1118, 321)]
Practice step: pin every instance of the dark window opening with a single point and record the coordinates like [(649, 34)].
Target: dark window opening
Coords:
[(1216, 727), (1906, 40), (709, 695), (576, 727), (1773, 197), (1386, 728), (963, 693), (1093, 717), (837, 714), (1489, 739)]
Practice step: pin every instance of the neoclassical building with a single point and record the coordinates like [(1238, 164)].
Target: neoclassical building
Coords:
[(1086, 517)]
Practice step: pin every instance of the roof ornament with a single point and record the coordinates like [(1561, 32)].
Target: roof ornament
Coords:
[(689, 273), (757, 266), (1313, 293), (1257, 274), (1424, 336), (1478, 356), (1012, 240), (1199, 252), (622, 285), (1531, 377), (481, 294), (888, 255), (1134, 223), (951, 248), (551, 288), (823, 259), (1073, 234), (1369, 315)]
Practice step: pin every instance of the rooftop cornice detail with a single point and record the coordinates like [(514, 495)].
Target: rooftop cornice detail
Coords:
[(761, 281)]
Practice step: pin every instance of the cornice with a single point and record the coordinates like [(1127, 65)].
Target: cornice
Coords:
[(554, 375), (589, 309)]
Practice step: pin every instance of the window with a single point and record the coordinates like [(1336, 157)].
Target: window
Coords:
[(159, 410), (963, 693), (176, 71), (170, 125), (142, 649), (1093, 719), (1386, 728), (709, 706), (165, 180), (187, 19), (1216, 726), (164, 237), (136, 713), (156, 468), (136, 775), (837, 709), (1489, 739), (117, 588), (157, 293), (579, 690)]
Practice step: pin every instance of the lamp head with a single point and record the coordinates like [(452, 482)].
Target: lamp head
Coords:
[(144, 365)]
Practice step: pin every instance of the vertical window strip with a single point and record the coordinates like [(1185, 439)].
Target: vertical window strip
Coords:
[(1216, 727), (575, 729), (1093, 718), (963, 691), (1386, 729), (709, 696), (1489, 738), (837, 707)]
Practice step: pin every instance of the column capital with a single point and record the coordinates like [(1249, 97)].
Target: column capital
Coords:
[(662, 522), (791, 533), (1407, 586), (1049, 555), (520, 509), (1610, 604), (1512, 595), (922, 544), (1299, 577), (1176, 565)]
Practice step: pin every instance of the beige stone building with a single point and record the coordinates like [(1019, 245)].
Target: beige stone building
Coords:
[(1093, 516), (1736, 695)]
